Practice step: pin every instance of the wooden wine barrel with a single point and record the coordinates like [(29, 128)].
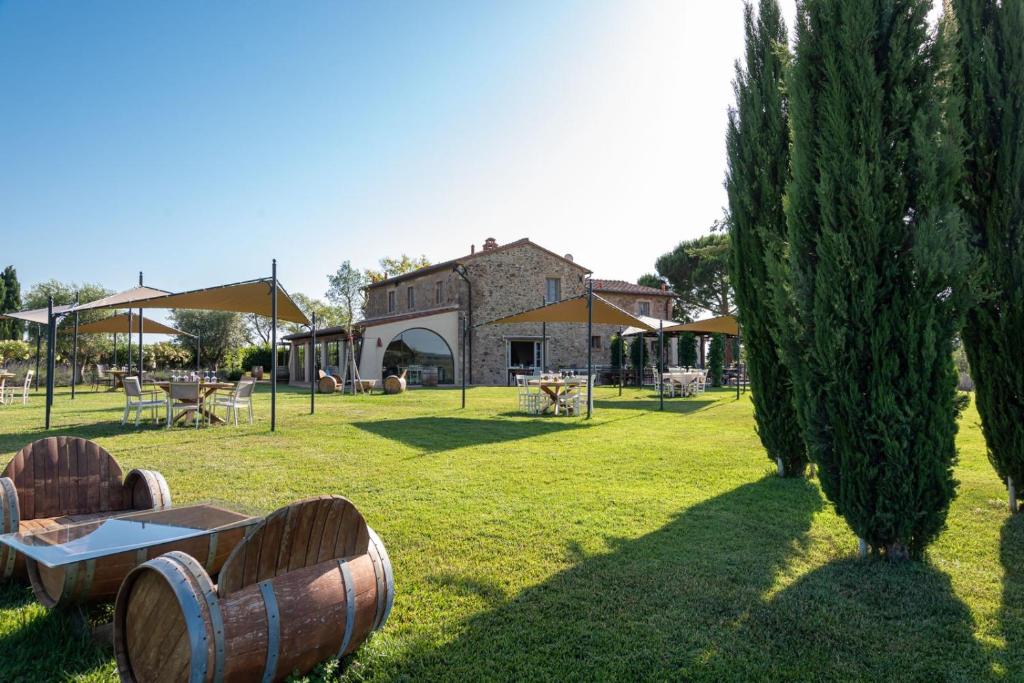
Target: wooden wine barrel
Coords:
[(10, 518), (311, 581), (327, 385), (147, 490), (98, 580), (394, 385)]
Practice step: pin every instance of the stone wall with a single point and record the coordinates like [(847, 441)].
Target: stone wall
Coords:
[(507, 281)]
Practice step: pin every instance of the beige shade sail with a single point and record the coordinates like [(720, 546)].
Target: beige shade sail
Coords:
[(652, 322), (575, 311), (723, 324), (118, 324), (34, 315), (252, 296)]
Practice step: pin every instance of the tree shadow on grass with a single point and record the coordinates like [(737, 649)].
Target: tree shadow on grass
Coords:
[(13, 442), (672, 405), (858, 620), (652, 608), (40, 644), (1011, 613), (434, 434)]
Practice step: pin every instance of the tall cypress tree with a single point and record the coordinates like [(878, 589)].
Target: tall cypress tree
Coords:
[(877, 261), (10, 300), (988, 73), (758, 147)]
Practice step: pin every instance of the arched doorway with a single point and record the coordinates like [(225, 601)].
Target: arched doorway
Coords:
[(424, 354)]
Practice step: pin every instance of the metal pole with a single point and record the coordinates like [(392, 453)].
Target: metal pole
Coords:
[(115, 350), (199, 348), (273, 346), (590, 346), (543, 347), (739, 366), (661, 365), (465, 333), (49, 358), (130, 317), (642, 340), (622, 359), (140, 335), (312, 367), (74, 354), (39, 343)]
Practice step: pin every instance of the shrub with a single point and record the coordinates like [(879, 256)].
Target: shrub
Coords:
[(716, 356)]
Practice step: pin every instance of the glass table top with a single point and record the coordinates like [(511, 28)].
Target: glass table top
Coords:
[(123, 532)]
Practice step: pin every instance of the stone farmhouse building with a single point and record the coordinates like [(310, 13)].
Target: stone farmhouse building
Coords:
[(414, 321)]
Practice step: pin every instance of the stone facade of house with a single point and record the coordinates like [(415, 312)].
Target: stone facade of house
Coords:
[(504, 279)]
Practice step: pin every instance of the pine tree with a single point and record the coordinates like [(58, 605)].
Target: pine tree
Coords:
[(987, 65), (877, 261), (758, 147)]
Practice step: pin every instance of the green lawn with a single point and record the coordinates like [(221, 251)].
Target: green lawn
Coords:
[(638, 545)]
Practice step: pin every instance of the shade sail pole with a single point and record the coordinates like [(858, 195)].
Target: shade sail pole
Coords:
[(739, 366), (140, 336), (199, 348), (49, 358), (312, 366), (622, 360), (129, 335), (590, 346), (465, 332), (74, 354), (39, 343), (661, 369), (273, 346)]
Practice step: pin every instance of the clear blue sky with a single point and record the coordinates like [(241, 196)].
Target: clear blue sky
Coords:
[(196, 140)]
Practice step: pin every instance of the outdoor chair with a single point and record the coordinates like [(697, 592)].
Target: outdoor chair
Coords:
[(187, 397), (100, 376), (62, 480), (530, 401), (241, 397), (8, 394), (138, 400)]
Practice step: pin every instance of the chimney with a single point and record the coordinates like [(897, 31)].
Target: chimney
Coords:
[(568, 257), (490, 244), (472, 249)]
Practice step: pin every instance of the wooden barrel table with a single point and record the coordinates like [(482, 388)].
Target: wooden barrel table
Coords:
[(171, 623)]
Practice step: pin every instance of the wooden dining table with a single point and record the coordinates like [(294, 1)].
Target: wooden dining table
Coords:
[(205, 390), (555, 389), (118, 378)]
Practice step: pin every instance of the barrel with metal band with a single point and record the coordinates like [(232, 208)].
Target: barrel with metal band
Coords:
[(98, 580), (147, 490), (167, 627), (9, 521)]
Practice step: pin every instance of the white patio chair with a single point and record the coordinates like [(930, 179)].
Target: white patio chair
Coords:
[(185, 396), (240, 397), (700, 384), (9, 393), (135, 399), (530, 400)]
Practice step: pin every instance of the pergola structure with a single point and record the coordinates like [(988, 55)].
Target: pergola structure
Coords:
[(587, 308), (262, 296), (722, 324)]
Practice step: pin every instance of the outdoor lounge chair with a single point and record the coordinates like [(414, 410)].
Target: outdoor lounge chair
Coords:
[(310, 582), (137, 400), (64, 480)]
